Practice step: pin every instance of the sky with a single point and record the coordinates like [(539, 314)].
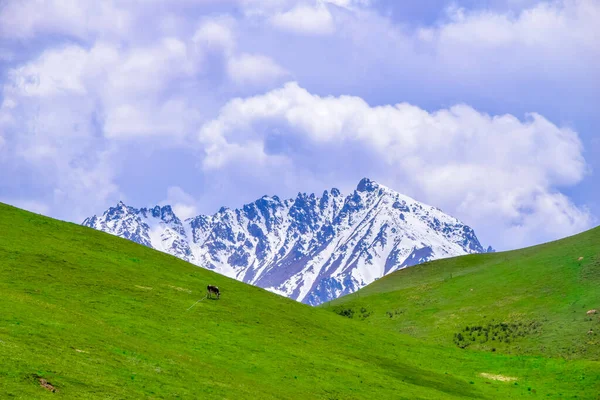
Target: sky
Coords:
[(488, 110)]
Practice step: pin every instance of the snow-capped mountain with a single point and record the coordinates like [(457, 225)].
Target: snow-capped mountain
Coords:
[(311, 249)]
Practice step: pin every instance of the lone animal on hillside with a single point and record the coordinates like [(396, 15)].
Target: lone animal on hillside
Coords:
[(591, 312), (210, 289), (580, 259)]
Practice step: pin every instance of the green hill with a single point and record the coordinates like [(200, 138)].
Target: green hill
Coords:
[(532, 301), (96, 316)]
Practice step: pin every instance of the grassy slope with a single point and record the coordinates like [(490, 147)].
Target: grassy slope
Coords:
[(101, 317), (544, 285)]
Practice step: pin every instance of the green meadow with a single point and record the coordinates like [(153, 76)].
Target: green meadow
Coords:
[(86, 315), (526, 302)]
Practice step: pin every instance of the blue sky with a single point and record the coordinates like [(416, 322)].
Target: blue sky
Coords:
[(486, 109)]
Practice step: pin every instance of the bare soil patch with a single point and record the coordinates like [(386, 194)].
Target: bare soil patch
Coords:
[(498, 377), (45, 384), (180, 289)]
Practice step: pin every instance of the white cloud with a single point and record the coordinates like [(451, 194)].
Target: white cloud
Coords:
[(62, 111), (68, 112), (244, 69), (184, 205), (128, 84), (24, 19), (216, 33), (54, 73), (308, 19), (150, 69), (552, 34), (546, 24), (50, 135), (499, 173), (253, 69)]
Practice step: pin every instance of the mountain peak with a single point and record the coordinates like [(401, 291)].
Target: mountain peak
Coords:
[(312, 249), (367, 185), (120, 208)]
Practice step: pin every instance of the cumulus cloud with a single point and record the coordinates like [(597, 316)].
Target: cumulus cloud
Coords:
[(47, 76), (62, 112), (310, 17), (51, 146), (184, 205), (216, 33), (549, 31), (28, 18), (126, 84), (509, 56), (498, 172), (562, 21), (546, 47), (305, 19), (251, 69), (69, 114)]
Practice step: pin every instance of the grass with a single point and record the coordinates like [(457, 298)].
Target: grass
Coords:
[(97, 316), (530, 302)]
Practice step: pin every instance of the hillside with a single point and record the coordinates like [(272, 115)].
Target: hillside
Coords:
[(96, 316), (532, 301), (311, 249)]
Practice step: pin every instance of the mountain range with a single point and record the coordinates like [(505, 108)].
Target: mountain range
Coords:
[(311, 249)]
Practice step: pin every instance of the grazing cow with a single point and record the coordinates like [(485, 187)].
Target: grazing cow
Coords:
[(210, 289), (592, 312), (580, 259)]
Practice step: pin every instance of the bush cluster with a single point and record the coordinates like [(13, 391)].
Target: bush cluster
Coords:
[(349, 312), (345, 312), (498, 332), (391, 314)]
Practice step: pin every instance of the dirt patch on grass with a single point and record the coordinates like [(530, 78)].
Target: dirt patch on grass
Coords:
[(143, 287), (498, 377), (45, 384), (180, 289)]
